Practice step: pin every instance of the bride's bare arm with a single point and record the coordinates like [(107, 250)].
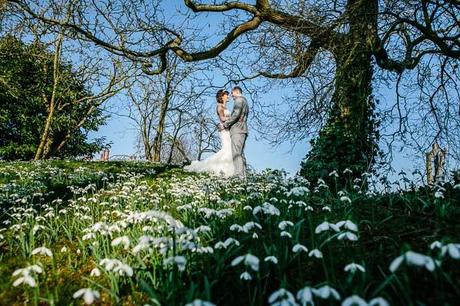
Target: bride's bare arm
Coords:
[(221, 114)]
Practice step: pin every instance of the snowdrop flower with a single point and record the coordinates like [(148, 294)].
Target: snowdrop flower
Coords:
[(305, 296), (439, 194), (326, 292), (345, 199), (199, 302), (64, 249), (334, 173), (453, 249), (348, 236), (436, 245), (26, 277), (284, 224), (249, 260), (272, 259), (378, 301), (89, 295), (285, 234), (180, 261), (226, 243), (282, 297), (325, 226), (247, 207), (347, 171), (353, 267), (413, 258), (354, 300), (95, 272), (42, 251), (326, 208), (299, 247), (116, 266), (348, 225), (457, 186), (298, 191), (246, 276), (124, 240), (315, 253)]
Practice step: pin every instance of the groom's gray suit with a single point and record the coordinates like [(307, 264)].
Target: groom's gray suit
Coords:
[(238, 133)]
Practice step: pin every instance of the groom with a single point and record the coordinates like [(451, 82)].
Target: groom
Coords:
[(238, 130)]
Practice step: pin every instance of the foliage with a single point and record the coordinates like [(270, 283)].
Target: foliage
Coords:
[(25, 85), (172, 238)]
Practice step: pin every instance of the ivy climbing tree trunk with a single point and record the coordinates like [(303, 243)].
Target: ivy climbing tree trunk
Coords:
[(349, 137)]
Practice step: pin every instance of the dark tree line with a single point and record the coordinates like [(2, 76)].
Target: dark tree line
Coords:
[(26, 80)]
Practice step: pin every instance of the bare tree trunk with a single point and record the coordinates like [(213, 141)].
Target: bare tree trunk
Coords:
[(157, 141), (174, 138), (45, 137)]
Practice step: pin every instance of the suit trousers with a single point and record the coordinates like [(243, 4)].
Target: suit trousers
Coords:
[(239, 160)]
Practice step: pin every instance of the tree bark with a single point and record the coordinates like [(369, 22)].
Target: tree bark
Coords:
[(46, 134)]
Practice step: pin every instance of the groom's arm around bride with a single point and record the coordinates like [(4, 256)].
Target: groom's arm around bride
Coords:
[(238, 131)]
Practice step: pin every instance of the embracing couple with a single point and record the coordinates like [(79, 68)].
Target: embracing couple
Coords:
[(233, 131)]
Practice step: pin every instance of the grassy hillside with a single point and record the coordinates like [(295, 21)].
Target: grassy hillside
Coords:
[(132, 233)]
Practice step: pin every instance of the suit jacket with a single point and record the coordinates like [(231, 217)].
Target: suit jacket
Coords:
[(238, 119)]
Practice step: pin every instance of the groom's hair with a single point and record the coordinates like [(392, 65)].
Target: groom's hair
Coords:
[(237, 88)]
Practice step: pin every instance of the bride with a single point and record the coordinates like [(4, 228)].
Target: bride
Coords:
[(221, 162)]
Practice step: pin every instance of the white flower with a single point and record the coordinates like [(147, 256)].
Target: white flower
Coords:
[(95, 272), (413, 258), (226, 243), (116, 266), (88, 294), (25, 279), (42, 251), (298, 191), (453, 249), (305, 296), (436, 245), (334, 173), (348, 225), (457, 186), (180, 261), (299, 247), (345, 199), (315, 253), (354, 300), (199, 302), (285, 234), (273, 259), (325, 292), (245, 276), (121, 240), (325, 226), (347, 171), (284, 224), (249, 260), (348, 236), (282, 297), (64, 249), (353, 267), (439, 195), (326, 208), (378, 301)]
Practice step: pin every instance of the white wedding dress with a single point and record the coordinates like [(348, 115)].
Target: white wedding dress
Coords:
[(221, 162)]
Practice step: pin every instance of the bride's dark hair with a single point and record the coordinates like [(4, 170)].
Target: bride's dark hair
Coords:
[(220, 93)]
